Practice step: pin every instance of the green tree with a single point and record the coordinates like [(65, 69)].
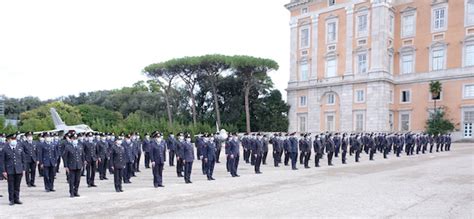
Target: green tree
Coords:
[(438, 124), (40, 119), (251, 70), (435, 89)]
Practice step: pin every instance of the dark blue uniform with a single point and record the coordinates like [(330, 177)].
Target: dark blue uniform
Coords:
[(188, 153), (158, 159), (234, 156), (31, 159), (74, 159), (103, 154), (47, 156), (129, 158), (13, 160), (91, 152), (209, 157), (118, 161)]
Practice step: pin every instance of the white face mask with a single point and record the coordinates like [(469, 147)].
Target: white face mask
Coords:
[(29, 138), (119, 142), (171, 135), (158, 140), (181, 138), (128, 141), (48, 139), (102, 138), (147, 137), (75, 142), (13, 143), (113, 138), (188, 139), (212, 138)]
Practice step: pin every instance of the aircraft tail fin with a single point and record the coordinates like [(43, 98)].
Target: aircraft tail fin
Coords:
[(56, 119)]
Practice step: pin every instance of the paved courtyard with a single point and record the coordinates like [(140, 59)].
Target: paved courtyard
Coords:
[(431, 185)]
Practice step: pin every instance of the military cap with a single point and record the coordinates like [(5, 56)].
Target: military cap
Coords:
[(11, 136)]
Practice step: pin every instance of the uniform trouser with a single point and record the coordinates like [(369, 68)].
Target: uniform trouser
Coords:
[(179, 166), (48, 176), (252, 158), (442, 146), (58, 162), (235, 165), (199, 152), (307, 155), (171, 157), (301, 157), (276, 158), (137, 162), (371, 153), (412, 149), (210, 168), (351, 151), (103, 168), (431, 148), (357, 155), (330, 157), (448, 147), (127, 172), (264, 157), (246, 155), (218, 154), (407, 149), (437, 147), (188, 167), (418, 148), (91, 168), (228, 163), (343, 156), (118, 177), (336, 152), (385, 151), (203, 167), (424, 148), (30, 173), (258, 162), (14, 181), (316, 159), (399, 150), (294, 157), (147, 159), (111, 171), (158, 174), (287, 157), (74, 181), (40, 171)]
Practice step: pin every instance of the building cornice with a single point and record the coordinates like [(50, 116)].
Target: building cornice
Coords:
[(297, 3)]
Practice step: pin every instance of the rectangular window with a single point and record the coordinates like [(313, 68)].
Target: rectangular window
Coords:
[(404, 122), (437, 58), (331, 68), (391, 23), (331, 32), (331, 99), (331, 2), (408, 25), (391, 96), (405, 96), (439, 19), (470, 12), (359, 121), (469, 91), (469, 55), (362, 25), (304, 72), (362, 63), (407, 63), (390, 120), (304, 38), (304, 10), (302, 101), (302, 121), (330, 123), (360, 96)]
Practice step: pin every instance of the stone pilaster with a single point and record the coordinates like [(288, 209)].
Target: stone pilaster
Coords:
[(349, 38), (293, 49), (346, 118), (314, 44), (377, 116)]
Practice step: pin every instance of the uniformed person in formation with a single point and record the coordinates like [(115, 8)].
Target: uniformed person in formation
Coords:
[(118, 161), (330, 148), (31, 159), (188, 158), (265, 149), (257, 153), (2, 144), (74, 159), (103, 154), (171, 142), (158, 158), (234, 155), (13, 159), (91, 152), (344, 145), (129, 159), (277, 145), (47, 156), (146, 150), (180, 155), (293, 150), (306, 149), (209, 157)]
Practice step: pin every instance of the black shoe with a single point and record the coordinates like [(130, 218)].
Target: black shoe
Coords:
[(209, 179), (294, 168), (93, 185), (72, 195), (106, 178), (121, 190), (259, 172), (77, 195), (212, 178), (52, 190), (18, 202), (117, 190), (306, 167), (33, 185), (218, 162), (47, 190), (161, 186), (11, 203), (1, 196)]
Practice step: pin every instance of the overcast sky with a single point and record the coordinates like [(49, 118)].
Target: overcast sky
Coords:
[(56, 48)]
